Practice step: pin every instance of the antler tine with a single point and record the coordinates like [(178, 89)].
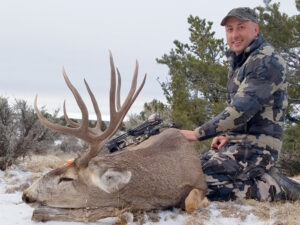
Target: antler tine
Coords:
[(80, 103), (119, 91), (69, 122), (126, 107), (132, 88), (46, 123), (116, 117), (81, 131), (112, 91), (95, 105)]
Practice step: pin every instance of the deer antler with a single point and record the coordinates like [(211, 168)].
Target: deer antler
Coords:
[(95, 137)]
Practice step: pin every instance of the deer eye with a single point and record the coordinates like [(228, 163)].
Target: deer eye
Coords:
[(65, 179)]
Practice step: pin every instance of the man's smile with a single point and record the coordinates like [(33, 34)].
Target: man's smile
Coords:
[(237, 43)]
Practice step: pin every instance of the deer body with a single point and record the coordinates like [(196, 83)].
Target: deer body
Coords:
[(161, 172)]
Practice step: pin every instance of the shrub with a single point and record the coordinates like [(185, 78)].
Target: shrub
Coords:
[(21, 131)]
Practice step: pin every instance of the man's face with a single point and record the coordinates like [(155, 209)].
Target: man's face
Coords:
[(240, 33)]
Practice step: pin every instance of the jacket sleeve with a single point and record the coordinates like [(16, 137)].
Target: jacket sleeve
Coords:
[(263, 76)]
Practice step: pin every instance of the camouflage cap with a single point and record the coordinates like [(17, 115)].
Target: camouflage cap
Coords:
[(243, 13)]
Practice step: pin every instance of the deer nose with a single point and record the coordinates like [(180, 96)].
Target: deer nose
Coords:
[(27, 199)]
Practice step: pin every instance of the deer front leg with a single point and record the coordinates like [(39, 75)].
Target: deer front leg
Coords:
[(195, 200)]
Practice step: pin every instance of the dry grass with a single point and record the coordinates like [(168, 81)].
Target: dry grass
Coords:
[(277, 213), (141, 217), (200, 217), (271, 213), (124, 219), (41, 163)]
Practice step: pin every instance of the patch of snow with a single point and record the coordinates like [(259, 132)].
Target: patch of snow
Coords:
[(13, 210), (57, 142)]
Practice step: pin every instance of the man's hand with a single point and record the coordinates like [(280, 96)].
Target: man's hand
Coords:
[(219, 142), (189, 134)]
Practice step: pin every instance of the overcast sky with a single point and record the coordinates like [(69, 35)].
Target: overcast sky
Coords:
[(38, 37)]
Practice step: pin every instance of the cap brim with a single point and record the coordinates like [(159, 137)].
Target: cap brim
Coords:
[(223, 22)]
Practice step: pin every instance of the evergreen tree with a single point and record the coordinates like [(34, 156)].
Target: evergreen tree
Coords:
[(196, 91)]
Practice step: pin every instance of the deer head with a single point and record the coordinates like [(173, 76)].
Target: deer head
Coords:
[(150, 175), (95, 137)]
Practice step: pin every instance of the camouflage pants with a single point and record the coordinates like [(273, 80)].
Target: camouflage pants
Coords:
[(240, 171)]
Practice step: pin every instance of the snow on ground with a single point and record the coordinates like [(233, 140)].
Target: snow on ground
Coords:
[(243, 212)]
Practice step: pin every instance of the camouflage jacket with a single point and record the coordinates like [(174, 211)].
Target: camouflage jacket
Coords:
[(257, 99)]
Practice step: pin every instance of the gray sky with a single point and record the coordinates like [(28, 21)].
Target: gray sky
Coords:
[(38, 37)]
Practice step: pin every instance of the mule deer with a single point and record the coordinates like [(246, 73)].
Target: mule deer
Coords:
[(161, 172)]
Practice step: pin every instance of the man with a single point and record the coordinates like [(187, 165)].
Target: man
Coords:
[(241, 161)]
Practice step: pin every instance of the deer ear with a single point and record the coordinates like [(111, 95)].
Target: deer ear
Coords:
[(112, 180)]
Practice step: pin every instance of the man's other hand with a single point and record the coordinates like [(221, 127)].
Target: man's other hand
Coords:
[(218, 142), (189, 134)]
